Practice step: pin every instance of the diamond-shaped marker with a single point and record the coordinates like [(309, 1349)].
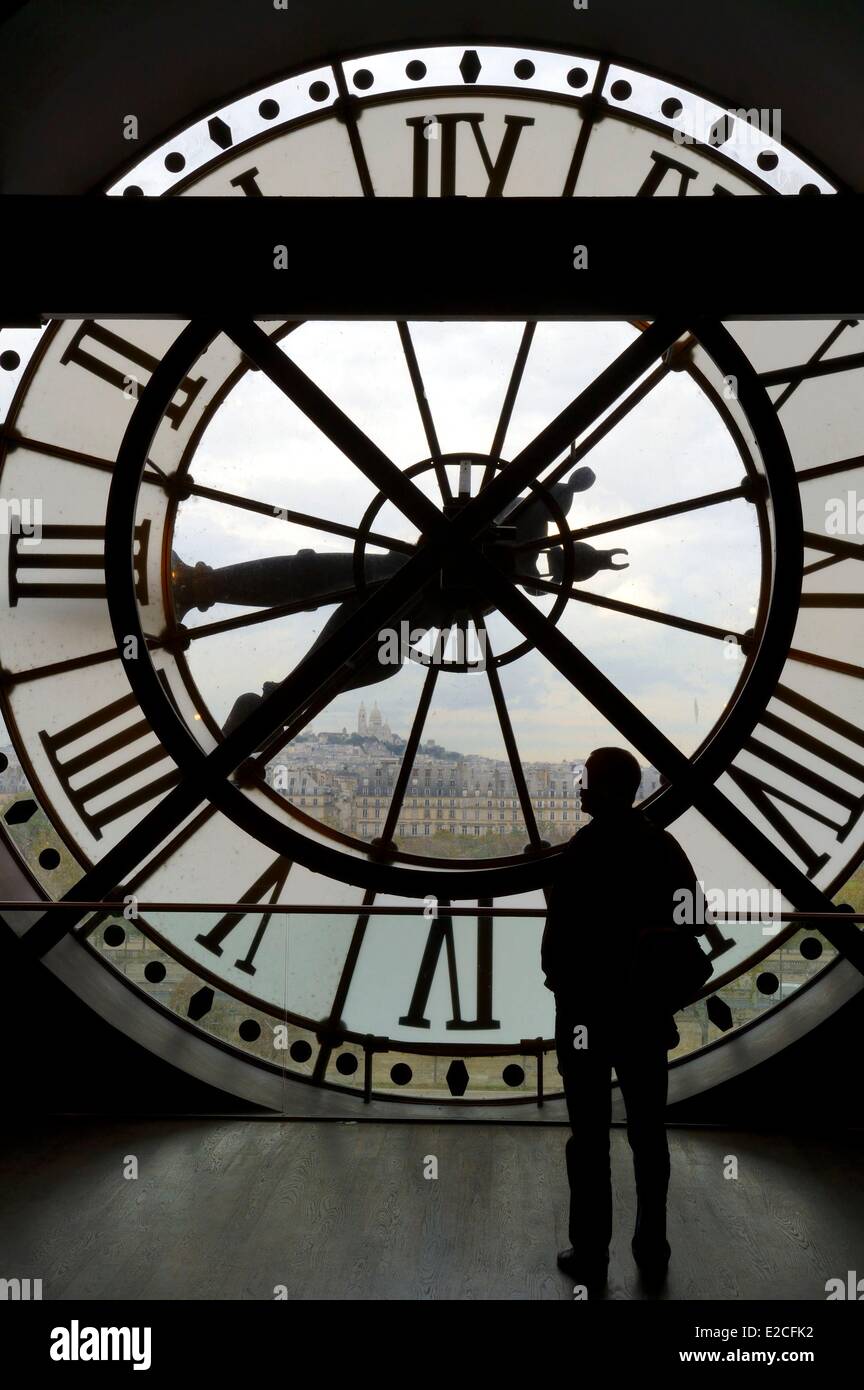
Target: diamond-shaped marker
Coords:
[(220, 132), (200, 1003), (470, 65), (457, 1078), (20, 811), (719, 1013)]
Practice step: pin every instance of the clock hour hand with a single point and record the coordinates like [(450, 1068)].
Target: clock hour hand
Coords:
[(268, 582)]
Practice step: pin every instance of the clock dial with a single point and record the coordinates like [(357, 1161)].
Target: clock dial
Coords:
[(329, 614), (481, 122)]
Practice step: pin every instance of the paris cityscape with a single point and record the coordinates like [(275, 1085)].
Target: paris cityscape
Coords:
[(346, 779)]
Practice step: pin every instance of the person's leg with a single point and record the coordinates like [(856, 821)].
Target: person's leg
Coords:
[(586, 1075), (642, 1070)]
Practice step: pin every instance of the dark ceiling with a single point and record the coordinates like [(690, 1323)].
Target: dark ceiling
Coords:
[(70, 70)]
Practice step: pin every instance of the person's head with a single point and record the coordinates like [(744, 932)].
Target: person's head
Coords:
[(610, 781)]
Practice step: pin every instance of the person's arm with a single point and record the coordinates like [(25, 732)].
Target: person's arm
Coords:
[(688, 966), (683, 877), (675, 892), (663, 958), (559, 911), (547, 949)]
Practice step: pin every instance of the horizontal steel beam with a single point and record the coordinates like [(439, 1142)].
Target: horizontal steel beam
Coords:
[(421, 909), (759, 257)]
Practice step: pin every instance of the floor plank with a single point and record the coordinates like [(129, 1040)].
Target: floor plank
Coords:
[(230, 1209)]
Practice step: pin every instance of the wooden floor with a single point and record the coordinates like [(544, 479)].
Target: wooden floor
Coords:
[(231, 1208)]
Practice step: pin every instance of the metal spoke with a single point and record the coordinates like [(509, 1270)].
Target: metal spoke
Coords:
[(509, 737), (338, 428), (832, 600), (815, 357), (425, 411), (316, 523), (212, 494), (584, 676), (633, 610), (605, 426), (410, 753), (72, 663), (827, 470), (804, 371), (818, 565), (509, 401), (347, 114), (151, 473), (838, 548), (827, 663), (591, 110), (601, 393), (277, 610), (620, 523)]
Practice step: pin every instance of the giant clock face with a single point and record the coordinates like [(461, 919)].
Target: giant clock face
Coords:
[(508, 542)]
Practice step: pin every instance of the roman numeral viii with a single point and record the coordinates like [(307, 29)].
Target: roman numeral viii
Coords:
[(101, 789)]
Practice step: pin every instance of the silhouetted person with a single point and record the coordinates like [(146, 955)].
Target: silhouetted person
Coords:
[(618, 876)]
